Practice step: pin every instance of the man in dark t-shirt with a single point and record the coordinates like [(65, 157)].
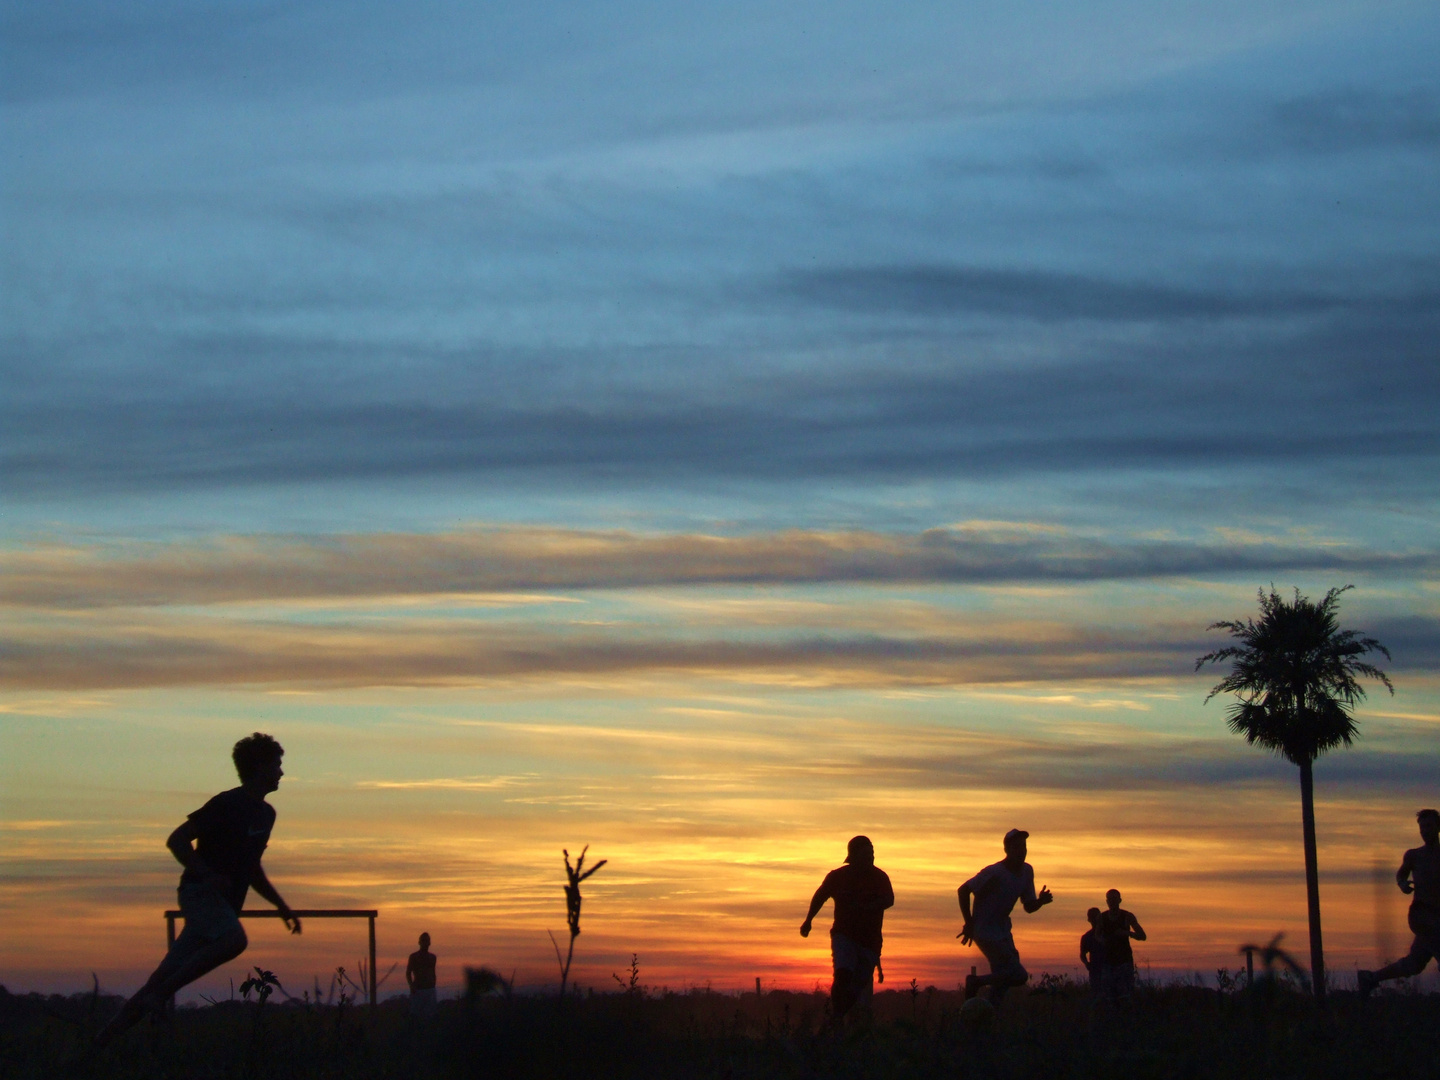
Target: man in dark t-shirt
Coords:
[(219, 846), (862, 892)]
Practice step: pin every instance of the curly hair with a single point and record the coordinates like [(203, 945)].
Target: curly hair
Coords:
[(253, 751)]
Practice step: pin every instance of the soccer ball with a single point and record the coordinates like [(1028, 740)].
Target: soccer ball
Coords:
[(977, 1015)]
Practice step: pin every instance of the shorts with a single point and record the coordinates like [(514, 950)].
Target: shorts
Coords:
[(208, 918), (422, 1003), (848, 955), (208, 915), (1425, 925), (1003, 957), (1120, 980)]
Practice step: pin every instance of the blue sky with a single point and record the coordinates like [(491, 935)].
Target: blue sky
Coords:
[(641, 255), (430, 382)]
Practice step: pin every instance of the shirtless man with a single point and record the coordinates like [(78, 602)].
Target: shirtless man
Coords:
[(862, 892), (1418, 876), (229, 834), (1092, 952), (995, 890), (1117, 927), (420, 977)]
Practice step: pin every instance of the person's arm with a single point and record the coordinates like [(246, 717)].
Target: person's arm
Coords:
[(1085, 950), (1402, 876), (886, 898), (965, 935), (261, 884), (816, 903), (1031, 902), (410, 973), (1135, 930), (181, 844)]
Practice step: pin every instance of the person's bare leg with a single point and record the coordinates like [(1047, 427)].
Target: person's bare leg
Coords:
[(1400, 969), (1003, 983), (173, 974), (842, 992), (202, 962)]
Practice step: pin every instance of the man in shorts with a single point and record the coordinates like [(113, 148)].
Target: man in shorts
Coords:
[(219, 846), (420, 977), (862, 892), (1117, 926), (1418, 877), (994, 891)]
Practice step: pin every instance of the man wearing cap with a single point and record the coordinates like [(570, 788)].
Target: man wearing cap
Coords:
[(862, 892), (994, 891)]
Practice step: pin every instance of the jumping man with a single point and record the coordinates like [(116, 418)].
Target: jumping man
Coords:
[(229, 834), (1418, 876), (862, 892), (995, 890)]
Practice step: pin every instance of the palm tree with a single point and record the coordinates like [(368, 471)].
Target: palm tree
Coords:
[(1295, 681)]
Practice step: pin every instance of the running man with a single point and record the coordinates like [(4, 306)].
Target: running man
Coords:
[(420, 977), (219, 846), (995, 890), (862, 892), (1117, 926), (1092, 952), (1418, 876)]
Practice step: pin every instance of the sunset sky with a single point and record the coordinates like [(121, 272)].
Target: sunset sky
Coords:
[(707, 432)]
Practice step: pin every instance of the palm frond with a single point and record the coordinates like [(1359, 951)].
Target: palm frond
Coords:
[(1296, 675)]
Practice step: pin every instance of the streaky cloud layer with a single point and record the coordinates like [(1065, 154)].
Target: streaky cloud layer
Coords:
[(231, 569)]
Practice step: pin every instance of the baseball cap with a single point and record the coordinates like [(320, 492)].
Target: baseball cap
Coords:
[(1015, 834), (858, 845)]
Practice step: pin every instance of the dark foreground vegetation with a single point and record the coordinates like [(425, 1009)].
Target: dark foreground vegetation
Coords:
[(1166, 1032)]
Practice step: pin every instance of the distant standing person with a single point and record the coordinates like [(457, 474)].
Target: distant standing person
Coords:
[(229, 834), (862, 892), (994, 891), (420, 977), (1092, 952), (1418, 877), (1117, 927)]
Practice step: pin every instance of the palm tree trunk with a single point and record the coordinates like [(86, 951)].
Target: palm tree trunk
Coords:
[(1312, 878)]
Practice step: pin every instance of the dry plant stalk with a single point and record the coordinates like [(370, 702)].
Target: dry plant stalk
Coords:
[(574, 876)]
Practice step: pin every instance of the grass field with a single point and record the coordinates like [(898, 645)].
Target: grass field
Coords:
[(1167, 1032)]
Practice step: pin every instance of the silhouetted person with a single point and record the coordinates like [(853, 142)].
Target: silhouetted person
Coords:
[(1419, 878), (229, 834), (995, 890), (1092, 952), (420, 977), (862, 892), (1116, 927)]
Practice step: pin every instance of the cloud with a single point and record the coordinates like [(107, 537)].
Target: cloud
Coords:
[(1045, 295), (1349, 119), (122, 651), (199, 652), (1357, 390), (525, 560)]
